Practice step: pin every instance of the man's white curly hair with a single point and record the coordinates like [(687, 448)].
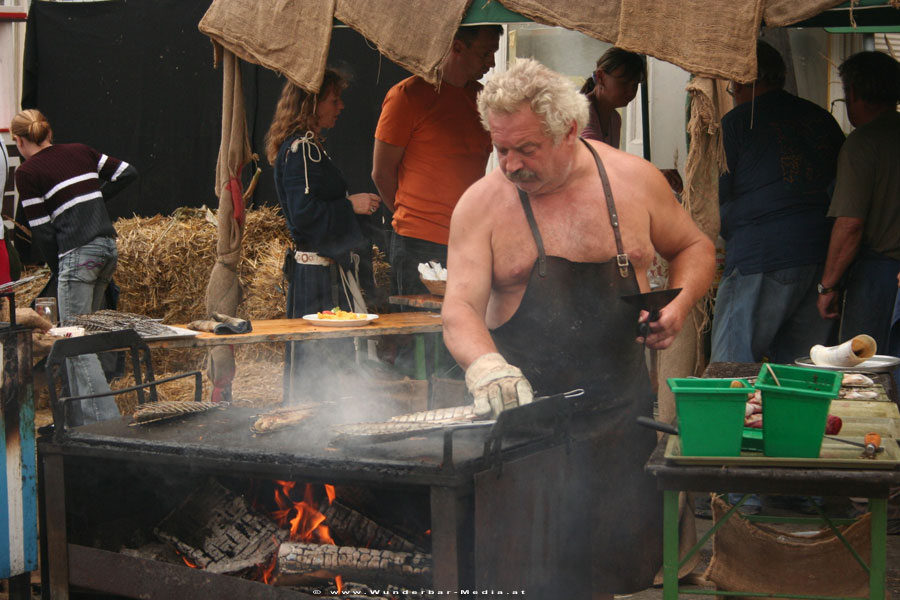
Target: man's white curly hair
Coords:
[(552, 97)]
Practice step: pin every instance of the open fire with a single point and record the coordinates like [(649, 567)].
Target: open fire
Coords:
[(286, 525)]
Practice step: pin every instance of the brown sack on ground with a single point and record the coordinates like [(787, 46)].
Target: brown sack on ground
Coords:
[(749, 557)]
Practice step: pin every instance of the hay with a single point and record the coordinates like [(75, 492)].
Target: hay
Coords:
[(164, 267), (165, 262)]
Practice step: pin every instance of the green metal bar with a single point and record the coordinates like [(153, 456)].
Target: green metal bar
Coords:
[(670, 545), (700, 543), (481, 12), (878, 532), (841, 537), (865, 29), (421, 369), (770, 595), (800, 520)]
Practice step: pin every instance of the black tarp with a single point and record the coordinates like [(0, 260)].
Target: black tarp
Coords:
[(135, 79)]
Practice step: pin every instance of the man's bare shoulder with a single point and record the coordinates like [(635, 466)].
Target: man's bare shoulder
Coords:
[(487, 194), (623, 168)]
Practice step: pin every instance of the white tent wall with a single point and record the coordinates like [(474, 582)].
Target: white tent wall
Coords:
[(575, 55)]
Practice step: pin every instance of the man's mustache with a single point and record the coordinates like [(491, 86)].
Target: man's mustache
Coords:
[(521, 175)]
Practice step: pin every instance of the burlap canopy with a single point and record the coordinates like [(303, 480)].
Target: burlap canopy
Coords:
[(714, 39), (292, 37)]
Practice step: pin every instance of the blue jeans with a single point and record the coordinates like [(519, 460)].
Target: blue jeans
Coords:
[(770, 315), (84, 274), (870, 291), (405, 256)]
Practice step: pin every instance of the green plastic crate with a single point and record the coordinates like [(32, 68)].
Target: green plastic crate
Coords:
[(795, 412), (752, 439), (710, 415)]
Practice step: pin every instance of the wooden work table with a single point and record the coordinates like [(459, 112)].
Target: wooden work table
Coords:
[(295, 330)]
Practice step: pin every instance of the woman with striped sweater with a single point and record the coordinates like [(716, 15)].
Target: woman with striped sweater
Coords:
[(62, 191)]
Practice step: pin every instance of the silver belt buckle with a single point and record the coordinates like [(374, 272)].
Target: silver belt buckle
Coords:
[(622, 262)]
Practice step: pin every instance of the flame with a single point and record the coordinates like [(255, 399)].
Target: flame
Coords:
[(303, 517), (338, 583), (306, 522), (267, 570), (186, 561)]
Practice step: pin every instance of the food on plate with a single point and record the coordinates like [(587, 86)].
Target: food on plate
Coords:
[(856, 380), (833, 425), (336, 314)]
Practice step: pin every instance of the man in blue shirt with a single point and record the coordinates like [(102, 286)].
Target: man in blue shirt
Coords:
[(782, 157)]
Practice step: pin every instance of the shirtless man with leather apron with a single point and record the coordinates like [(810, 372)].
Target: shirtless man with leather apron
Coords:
[(541, 252)]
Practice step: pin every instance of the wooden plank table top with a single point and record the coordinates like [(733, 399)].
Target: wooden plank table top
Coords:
[(429, 301), (293, 330)]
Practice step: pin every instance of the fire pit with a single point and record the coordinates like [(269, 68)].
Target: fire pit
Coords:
[(144, 468)]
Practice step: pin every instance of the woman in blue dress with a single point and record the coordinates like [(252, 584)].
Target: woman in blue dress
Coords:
[(325, 223)]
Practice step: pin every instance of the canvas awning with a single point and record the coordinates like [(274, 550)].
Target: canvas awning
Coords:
[(292, 36)]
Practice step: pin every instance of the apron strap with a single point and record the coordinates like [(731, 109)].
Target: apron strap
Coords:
[(621, 257), (535, 233)]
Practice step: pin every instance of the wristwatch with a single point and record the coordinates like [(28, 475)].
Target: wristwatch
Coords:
[(825, 290)]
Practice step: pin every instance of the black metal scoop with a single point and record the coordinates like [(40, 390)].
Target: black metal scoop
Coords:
[(652, 302)]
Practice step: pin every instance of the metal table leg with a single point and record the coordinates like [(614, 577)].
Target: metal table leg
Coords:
[(878, 562), (670, 545), (57, 546), (421, 369)]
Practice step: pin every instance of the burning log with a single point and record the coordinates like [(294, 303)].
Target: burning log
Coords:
[(297, 561), (216, 530), (354, 528)]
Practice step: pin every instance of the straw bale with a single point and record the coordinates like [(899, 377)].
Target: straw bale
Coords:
[(164, 264), (164, 267)]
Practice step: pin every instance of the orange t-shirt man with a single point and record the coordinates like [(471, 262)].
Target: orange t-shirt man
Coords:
[(446, 151)]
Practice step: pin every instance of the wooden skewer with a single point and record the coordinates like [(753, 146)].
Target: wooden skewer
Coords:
[(772, 373)]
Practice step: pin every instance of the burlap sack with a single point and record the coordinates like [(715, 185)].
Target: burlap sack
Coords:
[(713, 39), (597, 19), (289, 36), (716, 39), (415, 35), (780, 13), (748, 557)]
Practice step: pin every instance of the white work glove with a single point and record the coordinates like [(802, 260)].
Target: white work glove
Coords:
[(496, 385)]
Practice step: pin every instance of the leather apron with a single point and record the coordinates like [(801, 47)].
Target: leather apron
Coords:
[(573, 330)]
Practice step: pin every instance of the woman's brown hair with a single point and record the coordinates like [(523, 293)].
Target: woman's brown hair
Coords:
[(296, 111), (633, 67), (31, 125)]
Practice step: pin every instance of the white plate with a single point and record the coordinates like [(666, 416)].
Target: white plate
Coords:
[(879, 363), (339, 322)]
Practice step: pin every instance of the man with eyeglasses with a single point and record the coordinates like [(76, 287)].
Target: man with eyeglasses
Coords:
[(864, 251), (782, 153)]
